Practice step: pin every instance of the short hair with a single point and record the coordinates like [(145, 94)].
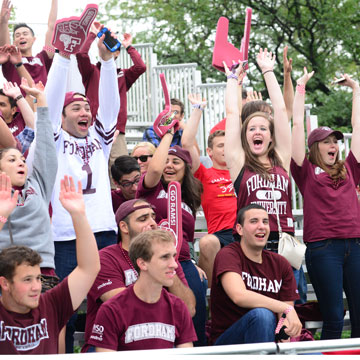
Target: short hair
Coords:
[(244, 94), (241, 214), (13, 256), (12, 101), (5, 150), (124, 164), (20, 25), (213, 135), (178, 102), (144, 144), (141, 245), (254, 106)]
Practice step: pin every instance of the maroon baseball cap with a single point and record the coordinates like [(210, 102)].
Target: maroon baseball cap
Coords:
[(128, 207), (322, 133), (72, 96), (181, 153)]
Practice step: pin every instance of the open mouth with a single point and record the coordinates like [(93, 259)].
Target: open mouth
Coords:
[(260, 235), (258, 143), (83, 124), (331, 154), (22, 42), (21, 172)]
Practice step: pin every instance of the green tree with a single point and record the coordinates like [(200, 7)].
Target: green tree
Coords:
[(321, 34)]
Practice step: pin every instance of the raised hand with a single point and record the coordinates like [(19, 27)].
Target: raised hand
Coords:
[(11, 89), (95, 27), (7, 200), (236, 69), (265, 60), (70, 198), (5, 11), (287, 62), (253, 96), (127, 40), (196, 99), (104, 52), (348, 81), (15, 56), (305, 78), (35, 91)]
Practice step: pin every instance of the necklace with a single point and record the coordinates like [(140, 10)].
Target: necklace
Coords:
[(83, 152), (126, 256)]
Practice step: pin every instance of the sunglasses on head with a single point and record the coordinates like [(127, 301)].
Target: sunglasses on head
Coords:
[(142, 158)]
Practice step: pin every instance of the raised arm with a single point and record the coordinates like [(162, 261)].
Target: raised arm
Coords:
[(51, 26), (109, 100), (355, 115), (4, 22), (188, 138), (288, 89), (298, 130), (235, 288), (282, 130), (12, 90), (8, 201), (87, 255), (234, 153), (6, 137)]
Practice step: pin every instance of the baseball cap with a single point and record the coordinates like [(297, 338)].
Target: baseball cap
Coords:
[(128, 207), (219, 126), (72, 96), (322, 133), (181, 153)]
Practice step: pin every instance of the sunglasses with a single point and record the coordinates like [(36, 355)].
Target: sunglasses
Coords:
[(128, 184), (142, 158)]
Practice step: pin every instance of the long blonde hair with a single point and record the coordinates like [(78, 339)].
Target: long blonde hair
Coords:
[(251, 161)]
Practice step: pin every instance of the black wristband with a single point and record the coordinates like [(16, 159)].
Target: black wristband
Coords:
[(18, 98), (127, 49), (18, 64)]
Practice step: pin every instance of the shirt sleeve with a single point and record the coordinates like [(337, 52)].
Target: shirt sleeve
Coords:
[(133, 73), (186, 332), (299, 173), (288, 290), (227, 260), (150, 136), (354, 167), (25, 138)]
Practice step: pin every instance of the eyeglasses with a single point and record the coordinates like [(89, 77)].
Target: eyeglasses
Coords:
[(128, 184), (143, 158)]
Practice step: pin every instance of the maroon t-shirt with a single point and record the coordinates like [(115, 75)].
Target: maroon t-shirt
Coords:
[(117, 199), (218, 199), (36, 332), (157, 196), (116, 272), (127, 323), (17, 125), (331, 211), (251, 188), (38, 67), (273, 278)]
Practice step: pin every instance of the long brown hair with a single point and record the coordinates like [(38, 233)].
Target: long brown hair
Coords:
[(336, 171), (251, 161), (191, 189)]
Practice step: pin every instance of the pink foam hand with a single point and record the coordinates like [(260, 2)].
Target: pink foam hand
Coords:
[(225, 51), (165, 120), (173, 223), (70, 33)]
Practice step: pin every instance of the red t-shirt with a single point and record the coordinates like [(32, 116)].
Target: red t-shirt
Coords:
[(273, 278), (116, 272), (117, 199), (38, 67), (218, 199), (331, 211), (127, 323), (36, 332), (157, 196), (17, 125), (251, 188)]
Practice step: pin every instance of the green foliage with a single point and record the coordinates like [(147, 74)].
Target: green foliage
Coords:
[(321, 34)]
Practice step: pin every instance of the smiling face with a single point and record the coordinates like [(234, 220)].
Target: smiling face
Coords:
[(258, 135), (6, 109), (129, 183), (255, 230), (24, 40), (13, 164), (162, 265), (22, 293), (141, 151), (216, 152), (76, 118), (329, 150), (174, 169)]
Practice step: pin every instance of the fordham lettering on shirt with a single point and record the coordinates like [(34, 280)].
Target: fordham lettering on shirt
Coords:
[(152, 330), (163, 195), (256, 182), (261, 284), (71, 148), (14, 128), (24, 339)]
